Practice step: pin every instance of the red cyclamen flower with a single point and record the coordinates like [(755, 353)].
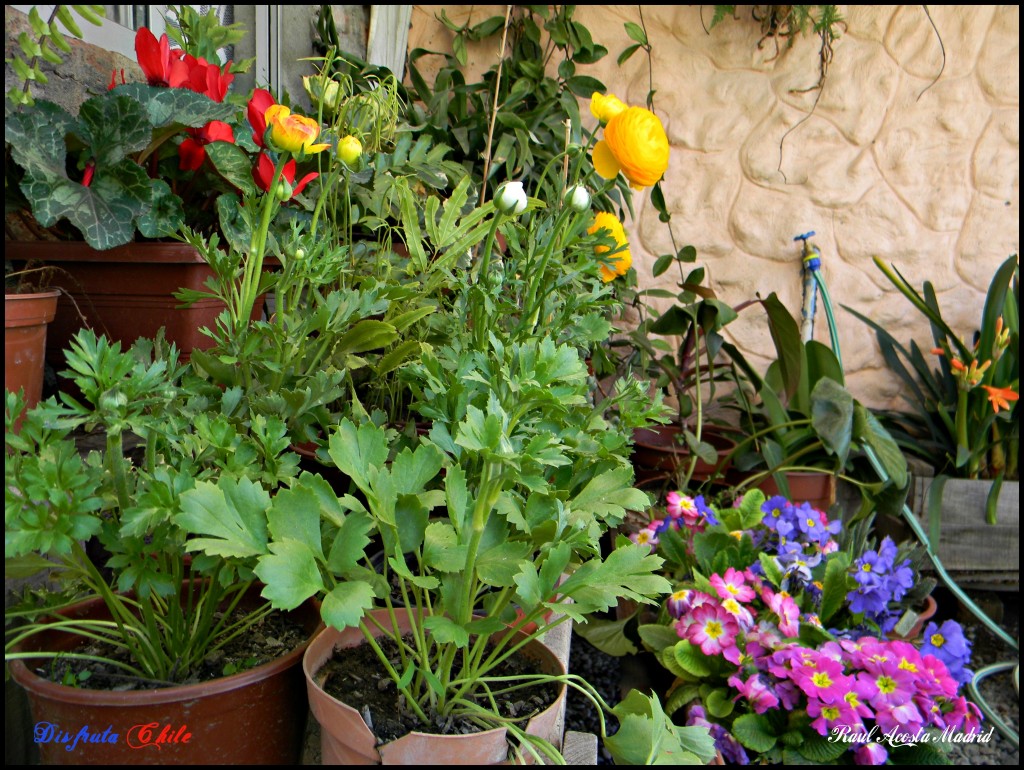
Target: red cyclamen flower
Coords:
[(192, 151), (162, 65)]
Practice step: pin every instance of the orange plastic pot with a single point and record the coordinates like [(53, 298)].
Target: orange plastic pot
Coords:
[(345, 739), (26, 317), (257, 716)]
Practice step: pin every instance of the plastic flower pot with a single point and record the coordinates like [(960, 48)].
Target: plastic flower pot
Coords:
[(345, 738), (661, 450), (256, 716), (26, 317)]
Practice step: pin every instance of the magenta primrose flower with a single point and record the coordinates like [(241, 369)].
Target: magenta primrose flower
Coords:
[(732, 585), (712, 628)]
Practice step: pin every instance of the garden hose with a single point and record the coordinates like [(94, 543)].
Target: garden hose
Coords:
[(812, 267)]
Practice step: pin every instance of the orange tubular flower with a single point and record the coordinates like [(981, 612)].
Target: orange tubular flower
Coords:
[(1000, 398), (622, 259), (635, 144), (291, 132)]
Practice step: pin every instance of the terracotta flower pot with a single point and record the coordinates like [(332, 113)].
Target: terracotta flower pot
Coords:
[(930, 608), (257, 716), (661, 450), (26, 317), (818, 489), (345, 739)]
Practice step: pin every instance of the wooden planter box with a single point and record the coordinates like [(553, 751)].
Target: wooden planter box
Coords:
[(970, 549)]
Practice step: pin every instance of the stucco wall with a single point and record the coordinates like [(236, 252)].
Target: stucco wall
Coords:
[(923, 176)]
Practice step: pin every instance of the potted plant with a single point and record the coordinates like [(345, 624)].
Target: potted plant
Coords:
[(804, 429), (155, 621), (103, 192), (964, 420), (780, 637), (467, 517)]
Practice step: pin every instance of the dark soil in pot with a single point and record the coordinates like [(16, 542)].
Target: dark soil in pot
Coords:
[(354, 676), (273, 637)]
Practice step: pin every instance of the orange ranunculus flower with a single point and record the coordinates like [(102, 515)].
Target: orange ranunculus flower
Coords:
[(1000, 397), (635, 144), (604, 108), (292, 132), (621, 260)]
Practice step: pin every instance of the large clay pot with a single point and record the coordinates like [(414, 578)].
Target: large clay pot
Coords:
[(125, 293), (345, 739), (257, 716), (26, 317)]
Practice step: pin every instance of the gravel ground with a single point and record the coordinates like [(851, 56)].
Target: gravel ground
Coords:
[(609, 675)]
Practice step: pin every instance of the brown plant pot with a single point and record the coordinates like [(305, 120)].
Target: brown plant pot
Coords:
[(125, 292), (26, 317), (345, 739), (253, 717), (930, 608), (661, 450), (818, 489)]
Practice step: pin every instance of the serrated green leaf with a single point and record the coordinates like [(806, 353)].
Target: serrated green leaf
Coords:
[(231, 515), (346, 604), (446, 631), (290, 573)]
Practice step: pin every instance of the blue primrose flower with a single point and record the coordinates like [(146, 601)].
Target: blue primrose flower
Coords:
[(948, 643)]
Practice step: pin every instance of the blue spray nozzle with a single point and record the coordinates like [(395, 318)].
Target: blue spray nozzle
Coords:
[(805, 236)]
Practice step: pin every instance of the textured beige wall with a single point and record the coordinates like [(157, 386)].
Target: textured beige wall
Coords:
[(924, 176)]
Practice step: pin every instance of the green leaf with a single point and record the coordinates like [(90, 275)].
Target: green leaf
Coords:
[(867, 429), (636, 32), (835, 586), (446, 631), (366, 335), (647, 736), (691, 659), (658, 637), (754, 731), (629, 571), (234, 164), (441, 549), (820, 749), (358, 451), (232, 514), (786, 336), (350, 543), (832, 416), (290, 573), (609, 636), (346, 604), (295, 514), (719, 703), (499, 566), (609, 495)]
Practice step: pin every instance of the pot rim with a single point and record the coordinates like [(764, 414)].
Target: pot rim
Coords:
[(41, 686)]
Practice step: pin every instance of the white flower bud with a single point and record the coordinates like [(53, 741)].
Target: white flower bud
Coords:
[(511, 198), (577, 198)]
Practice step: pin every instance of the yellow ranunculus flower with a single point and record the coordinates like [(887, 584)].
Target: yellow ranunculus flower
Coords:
[(291, 132), (620, 260), (635, 144), (604, 108)]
